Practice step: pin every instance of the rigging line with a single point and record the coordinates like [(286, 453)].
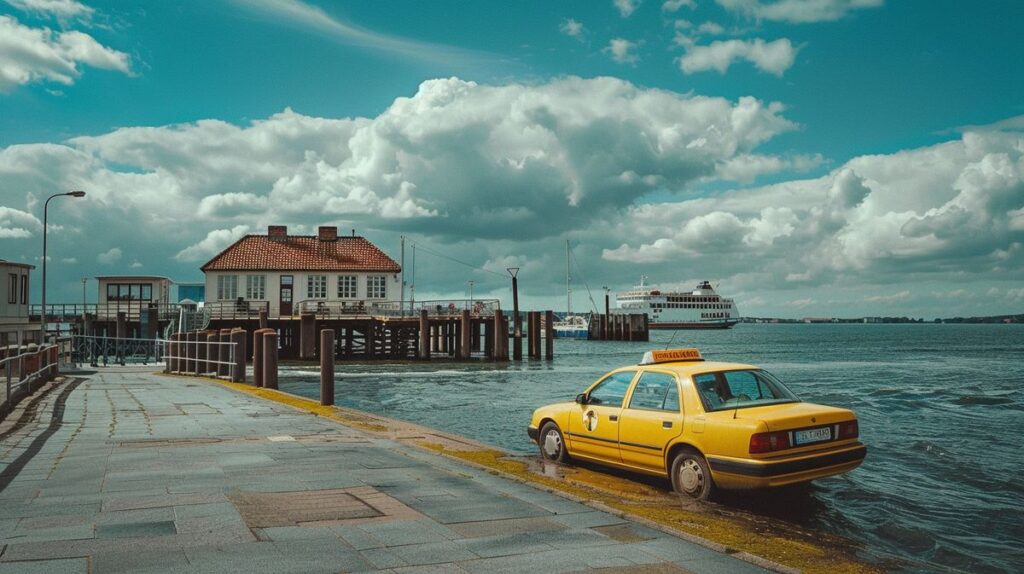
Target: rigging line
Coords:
[(593, 305), (450, 258)]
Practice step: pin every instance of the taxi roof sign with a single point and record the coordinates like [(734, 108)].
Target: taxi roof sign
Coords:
[(671, 355)]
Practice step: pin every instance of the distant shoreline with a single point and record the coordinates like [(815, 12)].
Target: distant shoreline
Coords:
[(990, 320)]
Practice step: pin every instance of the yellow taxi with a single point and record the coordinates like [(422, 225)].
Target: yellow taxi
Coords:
[(704, 425)]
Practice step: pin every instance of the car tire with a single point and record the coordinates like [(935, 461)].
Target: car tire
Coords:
[(552, 444), (692, 476)]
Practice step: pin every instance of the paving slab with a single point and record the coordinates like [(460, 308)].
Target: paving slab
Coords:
[(157, 474)]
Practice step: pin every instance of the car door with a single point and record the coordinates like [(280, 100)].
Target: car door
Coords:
[(651, 419), (594, 428)]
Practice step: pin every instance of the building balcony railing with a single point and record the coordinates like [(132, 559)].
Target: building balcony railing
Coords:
[(133, 310), (238, 309), (326, 309)]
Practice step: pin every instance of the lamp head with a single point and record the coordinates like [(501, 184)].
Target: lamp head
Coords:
[(77, 193)]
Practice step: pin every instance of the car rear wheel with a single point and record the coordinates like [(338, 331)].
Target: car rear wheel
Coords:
[(691, 475), (552, 445)]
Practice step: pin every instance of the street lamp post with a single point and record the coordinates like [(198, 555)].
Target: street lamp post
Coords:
[(46, 205)]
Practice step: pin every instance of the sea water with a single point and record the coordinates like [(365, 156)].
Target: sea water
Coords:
[(941, 409)]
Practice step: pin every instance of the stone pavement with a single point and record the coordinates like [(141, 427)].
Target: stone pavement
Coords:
[(122, 471)]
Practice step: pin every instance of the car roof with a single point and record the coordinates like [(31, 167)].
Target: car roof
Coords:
[(692, 367)]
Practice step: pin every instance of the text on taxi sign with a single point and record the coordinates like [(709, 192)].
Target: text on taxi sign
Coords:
[(668, 355)]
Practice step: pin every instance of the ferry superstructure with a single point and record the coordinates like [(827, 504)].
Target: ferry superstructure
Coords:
[(701, 308)]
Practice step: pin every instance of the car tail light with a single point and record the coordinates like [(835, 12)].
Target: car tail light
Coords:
[(849, 429), (769, 441)]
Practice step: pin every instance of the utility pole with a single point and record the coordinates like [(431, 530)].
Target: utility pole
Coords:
[(412, 286), (470, 294), (401, 303), (517, 333)]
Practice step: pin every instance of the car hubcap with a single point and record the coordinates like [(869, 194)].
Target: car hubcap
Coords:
[(552, 444), (691, 477)]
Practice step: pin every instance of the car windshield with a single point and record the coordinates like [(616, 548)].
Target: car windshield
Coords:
[(741, 389)]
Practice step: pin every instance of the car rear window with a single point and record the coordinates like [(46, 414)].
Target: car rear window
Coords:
[(740, 389)]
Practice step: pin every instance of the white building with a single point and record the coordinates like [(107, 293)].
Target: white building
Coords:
[(15, 328), (290, 274)]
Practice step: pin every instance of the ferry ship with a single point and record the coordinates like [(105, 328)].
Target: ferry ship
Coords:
[(701, 308)]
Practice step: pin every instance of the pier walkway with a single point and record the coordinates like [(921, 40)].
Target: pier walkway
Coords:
[(127, 471)]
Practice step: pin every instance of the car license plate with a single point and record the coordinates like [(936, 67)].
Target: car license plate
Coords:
[(812, 435)]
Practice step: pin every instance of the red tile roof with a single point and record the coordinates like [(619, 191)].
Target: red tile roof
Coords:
[(302, 253)]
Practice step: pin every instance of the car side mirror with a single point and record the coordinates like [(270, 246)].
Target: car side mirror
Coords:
[(581, 398)]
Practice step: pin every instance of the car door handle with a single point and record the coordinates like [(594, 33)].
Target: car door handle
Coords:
[(666, 424), (613, 418)]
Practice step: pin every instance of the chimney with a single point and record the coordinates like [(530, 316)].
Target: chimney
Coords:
[(327, 233), (277, 232)]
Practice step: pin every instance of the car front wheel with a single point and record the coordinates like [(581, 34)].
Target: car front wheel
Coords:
[(691, 475), (552, 445)]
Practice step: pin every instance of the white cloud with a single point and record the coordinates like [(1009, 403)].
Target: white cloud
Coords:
[(949, 208), (69, 260), (224, 205), (113, 255), (315, 18), (774, 57), (136, 265), (626, 7), (32, 55), (15, 223), (214, 242), (623, 51), (900, 297), (675, 5), (711, 28), (63, 10), (572, 28), (797, 11)]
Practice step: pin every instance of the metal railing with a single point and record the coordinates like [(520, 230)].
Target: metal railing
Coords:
[(133, 310), (216, 359), (30, 365), (238, 309), (102, 351), (446, 307)]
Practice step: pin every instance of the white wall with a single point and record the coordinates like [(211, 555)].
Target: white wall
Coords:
[(299, 288)]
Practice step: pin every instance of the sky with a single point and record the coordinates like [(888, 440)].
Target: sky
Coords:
[(810, 157)]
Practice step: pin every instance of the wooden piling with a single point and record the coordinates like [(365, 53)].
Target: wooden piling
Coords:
[(270, 359), (307, 336), (424, 342), (327, 367), (190, 352), (466, 334), (224, 368), (238, 337), (500, 337), (212, 352), (263, 319), (549, 335)]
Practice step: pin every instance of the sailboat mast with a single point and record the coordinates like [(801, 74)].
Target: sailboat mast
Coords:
[(568, 283)]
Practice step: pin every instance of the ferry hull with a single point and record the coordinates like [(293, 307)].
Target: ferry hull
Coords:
[(682, 325)]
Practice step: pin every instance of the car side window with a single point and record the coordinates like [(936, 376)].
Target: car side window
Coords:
[(611, 390), (655, 391), (743, 385), (707, 386)]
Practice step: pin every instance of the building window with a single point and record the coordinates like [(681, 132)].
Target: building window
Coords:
[(347, 287), (12, 289), (227, 287), (24, 289), (376, 287), (129, 292), (316, 287), (256, 287)]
